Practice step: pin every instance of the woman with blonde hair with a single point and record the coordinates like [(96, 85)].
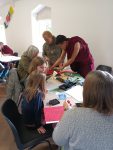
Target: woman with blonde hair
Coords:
[(32, 102), (37, 63), (51, 52), (25, 61)]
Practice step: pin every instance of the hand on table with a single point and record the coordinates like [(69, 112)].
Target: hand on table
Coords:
[(65, 105)]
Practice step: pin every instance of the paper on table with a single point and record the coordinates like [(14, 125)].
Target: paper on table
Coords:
[(52, 84), (76, 92), (53, 114)]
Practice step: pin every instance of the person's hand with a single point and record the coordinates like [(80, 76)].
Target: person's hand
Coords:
[(65, 105), (60, 68), (51, 68), (41, 130)]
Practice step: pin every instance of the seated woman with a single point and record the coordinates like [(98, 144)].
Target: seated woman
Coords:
[(32, 102), (89, 127), (25, 61), (14, 88), (38, 63), (4, 50)]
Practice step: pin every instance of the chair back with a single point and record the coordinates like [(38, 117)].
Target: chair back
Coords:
[(24, 137), (104, 68), (11, 114)]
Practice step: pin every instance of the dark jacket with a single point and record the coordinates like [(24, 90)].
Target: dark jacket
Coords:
[(33, 110)]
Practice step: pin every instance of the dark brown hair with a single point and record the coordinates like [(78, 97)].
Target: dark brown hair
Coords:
[(98, 91)]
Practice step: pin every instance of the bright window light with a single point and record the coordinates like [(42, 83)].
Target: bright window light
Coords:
[(2, 34)]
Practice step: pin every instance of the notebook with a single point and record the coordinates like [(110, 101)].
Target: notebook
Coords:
[(53, 114), (76, 92)]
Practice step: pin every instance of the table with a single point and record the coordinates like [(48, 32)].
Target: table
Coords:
[(6, 59), (52, 86)]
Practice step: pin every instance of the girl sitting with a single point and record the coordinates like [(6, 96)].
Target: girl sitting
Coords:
[(32, 102)]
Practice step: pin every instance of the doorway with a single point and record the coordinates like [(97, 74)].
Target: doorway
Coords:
[(41, 21)]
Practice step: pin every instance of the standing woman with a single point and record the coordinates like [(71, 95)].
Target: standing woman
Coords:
[(89, 127), (25, 61), (51, 52), (78, 54)]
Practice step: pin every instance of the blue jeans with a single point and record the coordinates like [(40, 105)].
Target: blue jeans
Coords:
[(4, 72)]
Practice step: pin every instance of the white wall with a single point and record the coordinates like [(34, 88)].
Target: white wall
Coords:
[(44, 14), (90, 19)]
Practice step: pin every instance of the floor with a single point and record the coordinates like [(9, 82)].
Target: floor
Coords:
[(6, 134)]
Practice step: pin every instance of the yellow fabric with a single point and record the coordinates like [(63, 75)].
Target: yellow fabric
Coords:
[(11, 10)]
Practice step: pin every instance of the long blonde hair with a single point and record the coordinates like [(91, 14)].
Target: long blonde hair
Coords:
[(36, 83), (37, 61), (31, 51)]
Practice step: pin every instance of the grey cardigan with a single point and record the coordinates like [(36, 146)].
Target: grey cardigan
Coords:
[(13, 88), (84, 129)]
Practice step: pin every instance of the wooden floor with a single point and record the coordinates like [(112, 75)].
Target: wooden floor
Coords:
[(6, 138)]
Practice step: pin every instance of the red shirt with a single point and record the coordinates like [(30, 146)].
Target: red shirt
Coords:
[(7, 50), (83, 62)]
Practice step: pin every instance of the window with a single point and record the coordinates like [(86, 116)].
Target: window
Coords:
[(41, 26), (41, 21), (2, 34)]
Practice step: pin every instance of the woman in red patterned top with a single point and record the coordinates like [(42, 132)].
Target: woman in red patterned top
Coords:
[(78, 54)]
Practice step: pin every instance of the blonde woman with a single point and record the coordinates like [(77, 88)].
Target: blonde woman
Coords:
[(51, 52), (25, 61), (39, 64), (32, 102), (15, 86)]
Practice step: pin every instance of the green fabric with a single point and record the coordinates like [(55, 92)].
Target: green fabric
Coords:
[(74, 78)]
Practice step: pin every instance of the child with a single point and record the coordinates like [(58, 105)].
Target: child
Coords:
[(32, 102), (15, 86), (39, 64)]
